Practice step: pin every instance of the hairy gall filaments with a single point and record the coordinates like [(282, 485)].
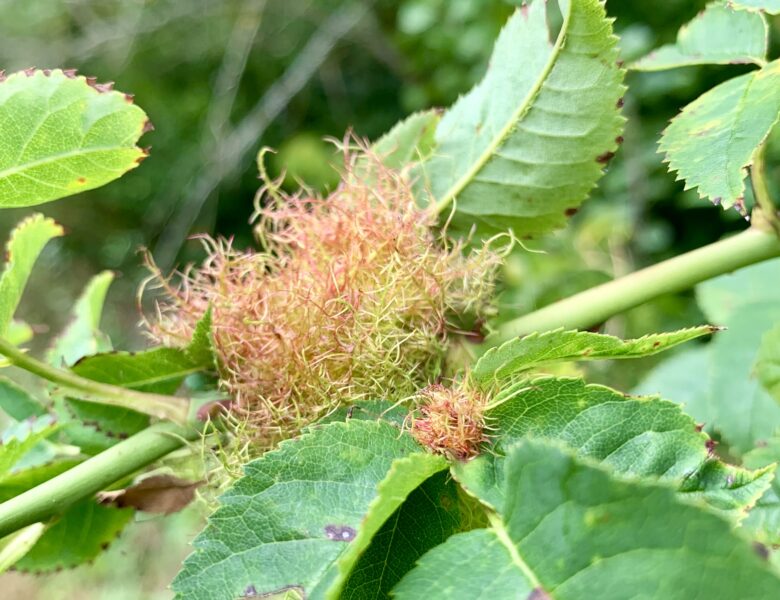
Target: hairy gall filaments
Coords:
[(352, 297)]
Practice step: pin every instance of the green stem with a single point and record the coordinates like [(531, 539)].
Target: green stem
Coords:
[(99, 472), (157, 405), (763, 198), (682, 272)]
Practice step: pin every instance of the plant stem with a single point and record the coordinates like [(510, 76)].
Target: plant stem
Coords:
[(596, 305), (764, 200), (56, 495), (157, 405)]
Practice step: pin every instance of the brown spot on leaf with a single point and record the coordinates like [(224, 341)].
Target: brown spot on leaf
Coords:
[(162, 494), (30, 71), (605, 158), (656, 344), (81, 180), (570, 212), (91, 81), (70, 73), (340, 533), (129, 98), (699, 427), (621, 102), (710, 444), (148, 126), (2, 76), (619, 140)]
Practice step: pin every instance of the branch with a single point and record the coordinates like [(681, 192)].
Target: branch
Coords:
[(156, 405), (682, 272), (54, 496)]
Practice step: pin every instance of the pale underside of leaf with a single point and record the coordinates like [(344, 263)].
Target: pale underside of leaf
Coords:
[(410, 141), (713, 141), (26, 242), (718, 35), (63, 134), (572, 530), (541, 349), (771, 7), (82, 337), (768, 366), (528, 143)]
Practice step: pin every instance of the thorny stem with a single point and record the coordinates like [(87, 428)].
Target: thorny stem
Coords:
[(56, 495), (682, 272), (764, 202), (156, 405)]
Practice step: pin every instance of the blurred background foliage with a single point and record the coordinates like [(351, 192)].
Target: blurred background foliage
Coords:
[(220, 80)]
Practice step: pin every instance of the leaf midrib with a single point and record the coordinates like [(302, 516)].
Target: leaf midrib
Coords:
[(516, 117), (19, 169)]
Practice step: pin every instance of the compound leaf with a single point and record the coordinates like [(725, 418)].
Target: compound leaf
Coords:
[(525, 146), (541, 349), (22, 250), (82, 336), (571, 530), (718, 35), (713, 141), (63, 134), (303, 512)]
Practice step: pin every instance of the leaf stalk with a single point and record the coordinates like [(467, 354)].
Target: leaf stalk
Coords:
[(156, 405), (596, 305)]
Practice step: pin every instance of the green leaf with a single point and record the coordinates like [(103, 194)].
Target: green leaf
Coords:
[(82, 336), (572, 530), (763, 522), (432, 513), (63, 134), (22, 250), (528, 143), (21, 438), (368, 410), (769, 6), (409, 141), (201, 349), (99, 426), (637, 436), (17, 403), (15, 546), (79, 535), (542, 349), (714, 140), (158, 370), (76, 536), (404, 476), (19, 332), (730, 398), (718, 35), (768, 365), (302, 509)]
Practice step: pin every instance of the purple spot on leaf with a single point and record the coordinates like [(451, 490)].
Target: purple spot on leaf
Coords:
[(340, 533)]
